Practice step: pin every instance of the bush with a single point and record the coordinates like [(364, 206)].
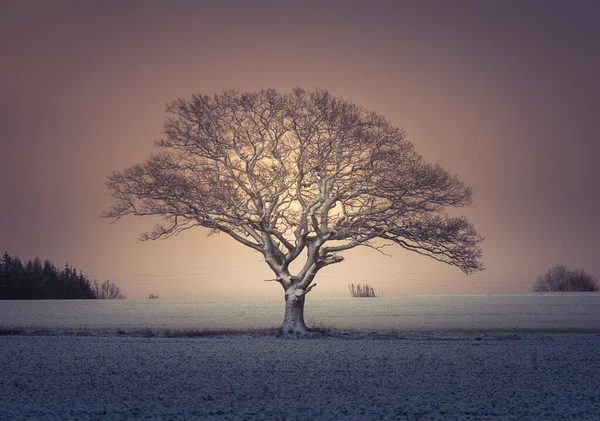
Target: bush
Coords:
[(107, 290), (561, 279), (359, 290)]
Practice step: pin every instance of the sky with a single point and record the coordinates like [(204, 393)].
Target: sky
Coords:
[(505, 94)]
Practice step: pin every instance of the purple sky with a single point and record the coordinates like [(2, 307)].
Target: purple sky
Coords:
[(505, 93)]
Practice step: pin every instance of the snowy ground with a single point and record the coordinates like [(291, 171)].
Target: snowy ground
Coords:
[(417, 376)]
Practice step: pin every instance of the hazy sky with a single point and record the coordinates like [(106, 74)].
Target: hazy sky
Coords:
[(504, 93)]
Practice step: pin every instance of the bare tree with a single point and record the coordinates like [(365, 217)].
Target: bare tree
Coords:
[(561, 279), (291, 174), (106, 290)]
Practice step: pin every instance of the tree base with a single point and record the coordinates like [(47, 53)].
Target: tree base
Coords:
[(293, 329)]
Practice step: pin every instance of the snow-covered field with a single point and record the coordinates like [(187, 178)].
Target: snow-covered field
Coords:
[(547, 312), (414, 376)]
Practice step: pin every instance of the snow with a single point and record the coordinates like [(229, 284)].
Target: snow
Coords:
[(541, 312), (426, 376)]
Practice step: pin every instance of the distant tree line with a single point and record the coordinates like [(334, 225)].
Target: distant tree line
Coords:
[(34, 280)]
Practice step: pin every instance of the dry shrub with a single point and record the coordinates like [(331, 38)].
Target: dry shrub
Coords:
[(360, 290)]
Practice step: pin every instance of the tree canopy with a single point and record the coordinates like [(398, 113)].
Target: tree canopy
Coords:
[(300, 172)]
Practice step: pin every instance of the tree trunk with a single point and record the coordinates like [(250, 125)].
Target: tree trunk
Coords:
[(293, 321)]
